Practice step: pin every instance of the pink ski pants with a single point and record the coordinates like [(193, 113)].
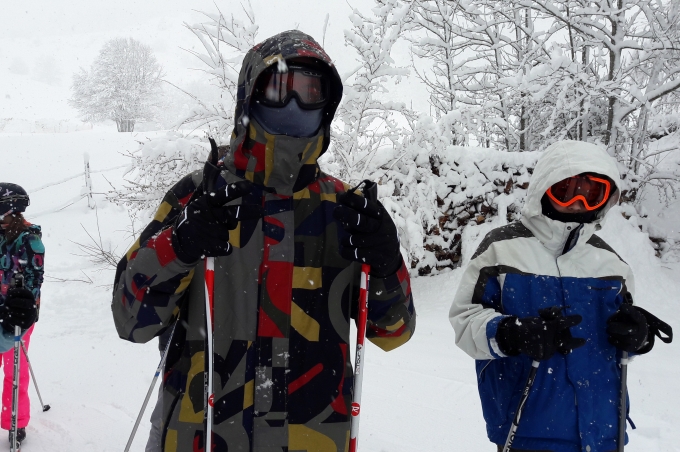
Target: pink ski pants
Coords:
[(24, 414)]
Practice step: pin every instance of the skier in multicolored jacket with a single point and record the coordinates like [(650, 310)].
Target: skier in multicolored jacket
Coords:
[(21, 253), (286, 239), (552, 257)]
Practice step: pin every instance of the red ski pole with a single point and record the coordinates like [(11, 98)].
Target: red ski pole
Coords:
[(359, 361), (370, 192), (209, 311)]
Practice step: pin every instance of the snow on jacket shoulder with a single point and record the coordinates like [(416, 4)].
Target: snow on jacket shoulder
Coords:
[(526, 266)]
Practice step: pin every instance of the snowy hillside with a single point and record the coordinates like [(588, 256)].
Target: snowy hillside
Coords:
[(419, 397)]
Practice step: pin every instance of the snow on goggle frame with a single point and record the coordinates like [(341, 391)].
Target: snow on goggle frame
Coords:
[(592, 190), (275, 89)]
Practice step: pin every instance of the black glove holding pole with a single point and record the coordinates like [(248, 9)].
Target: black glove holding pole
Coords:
[(202, 228), (373, 237), (19, 308), (539, 337), (633, 329)]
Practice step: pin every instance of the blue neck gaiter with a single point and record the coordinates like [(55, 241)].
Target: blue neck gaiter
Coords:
[(290, 120)]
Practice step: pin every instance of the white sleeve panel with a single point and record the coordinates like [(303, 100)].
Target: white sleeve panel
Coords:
[(469, 319), (630, 282)]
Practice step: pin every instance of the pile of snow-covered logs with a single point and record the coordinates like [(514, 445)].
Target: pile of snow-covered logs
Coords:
[(473, 186)]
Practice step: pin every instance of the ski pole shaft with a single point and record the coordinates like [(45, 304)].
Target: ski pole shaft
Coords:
[(520, 407), (359, 361), (35, 382), (18, 283), (159, 369), (623, 405), (209, 311), (370, 191), (15, 387)]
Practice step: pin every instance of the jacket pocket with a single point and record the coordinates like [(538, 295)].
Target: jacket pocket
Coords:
[(500, 382)]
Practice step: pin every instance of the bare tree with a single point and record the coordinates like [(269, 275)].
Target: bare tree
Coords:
[(123, 84)]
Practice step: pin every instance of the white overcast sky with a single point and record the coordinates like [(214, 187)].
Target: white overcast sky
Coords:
[(43, 42)]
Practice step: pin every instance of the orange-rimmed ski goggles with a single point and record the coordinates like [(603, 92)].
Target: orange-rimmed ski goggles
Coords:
[(592, 190)]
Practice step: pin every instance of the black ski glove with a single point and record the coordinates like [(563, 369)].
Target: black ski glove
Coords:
[(539, 337), (373, 236), (19, 309), (202, 228), (632, 329)]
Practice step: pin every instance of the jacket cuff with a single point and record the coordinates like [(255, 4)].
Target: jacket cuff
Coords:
[(395, 270), (491, 335)]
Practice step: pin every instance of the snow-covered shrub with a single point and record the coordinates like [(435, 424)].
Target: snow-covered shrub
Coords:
[(156, 166)]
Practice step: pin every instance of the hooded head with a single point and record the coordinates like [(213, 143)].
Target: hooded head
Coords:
[(282, 162), (559, 161)]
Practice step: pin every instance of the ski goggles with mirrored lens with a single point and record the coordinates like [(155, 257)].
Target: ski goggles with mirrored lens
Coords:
[(308, 85), (592, 190)]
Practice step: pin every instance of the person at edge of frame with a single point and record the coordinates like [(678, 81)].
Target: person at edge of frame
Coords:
[(288, 241), (21, 253), (552, 257)]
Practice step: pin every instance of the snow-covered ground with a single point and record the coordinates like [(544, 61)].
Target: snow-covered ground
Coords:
[(420, 397)]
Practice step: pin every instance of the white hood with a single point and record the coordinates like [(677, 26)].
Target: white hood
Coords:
[(559, 161)]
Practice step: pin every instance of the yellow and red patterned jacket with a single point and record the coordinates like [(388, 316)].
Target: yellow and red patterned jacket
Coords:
[(284, 299)]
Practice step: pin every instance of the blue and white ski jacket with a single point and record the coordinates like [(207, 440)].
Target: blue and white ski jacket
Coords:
[(533, 264)]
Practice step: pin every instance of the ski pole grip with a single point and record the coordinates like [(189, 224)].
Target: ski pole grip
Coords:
[(370, 190)]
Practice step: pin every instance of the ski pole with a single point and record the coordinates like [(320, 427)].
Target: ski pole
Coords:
[(209, 310), (35, 382), (620, 444), (18, 283), (15, 387), (622, 405), (370, 193), (358, 364), (520, 407), (159, 369)]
